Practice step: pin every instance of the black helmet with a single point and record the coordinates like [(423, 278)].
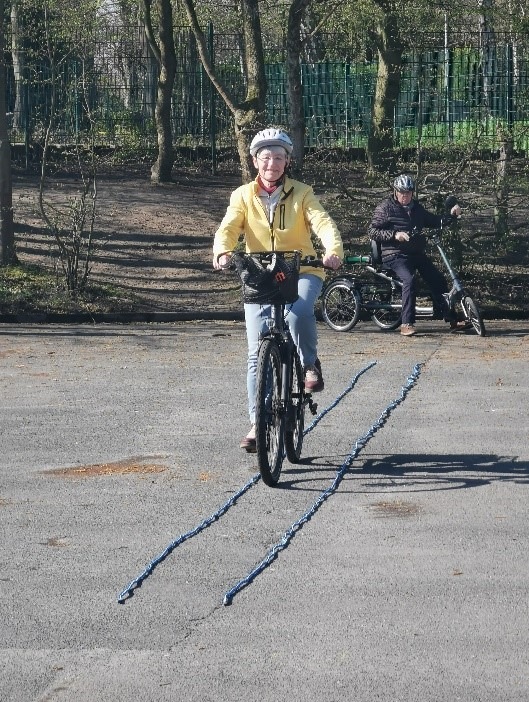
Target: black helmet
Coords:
[(404, 184)]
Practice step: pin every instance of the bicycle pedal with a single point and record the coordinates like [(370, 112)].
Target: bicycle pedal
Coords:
[(313, 407)]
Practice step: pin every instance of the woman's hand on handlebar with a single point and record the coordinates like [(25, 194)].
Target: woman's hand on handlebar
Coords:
[(333, 261), (221, 261)]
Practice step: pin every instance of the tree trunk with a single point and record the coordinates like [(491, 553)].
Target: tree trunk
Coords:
[(164, 50), (7, 236), (380, 142), (21, 108), (503, 168), (487, 47), (248, 113), (294, 85)]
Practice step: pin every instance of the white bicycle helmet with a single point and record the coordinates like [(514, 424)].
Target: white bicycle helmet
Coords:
[(271, 137), (404, 184)]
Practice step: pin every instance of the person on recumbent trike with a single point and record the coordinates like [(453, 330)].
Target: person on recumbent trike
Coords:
[(397, 224)]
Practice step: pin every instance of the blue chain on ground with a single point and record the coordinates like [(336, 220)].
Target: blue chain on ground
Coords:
[(296, 526), (128, 591)]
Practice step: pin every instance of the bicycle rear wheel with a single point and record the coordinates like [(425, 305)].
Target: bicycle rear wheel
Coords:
[(269, 413), (295, 419), (340, 305), (389, 315), (473, 315)]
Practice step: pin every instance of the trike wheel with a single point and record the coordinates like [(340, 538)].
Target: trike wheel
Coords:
[(295, 419), (473, 315), (340, 305), (389, 315), (269, 413)]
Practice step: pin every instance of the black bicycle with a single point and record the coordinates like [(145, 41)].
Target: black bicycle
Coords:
[(346, 297), (271, 278)]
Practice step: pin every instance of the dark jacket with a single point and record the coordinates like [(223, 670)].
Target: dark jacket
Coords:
[(391, 217)]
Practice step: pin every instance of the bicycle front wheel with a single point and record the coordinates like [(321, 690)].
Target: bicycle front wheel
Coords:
[(473, 315), (340, 305), (295, 419), (269, 413)]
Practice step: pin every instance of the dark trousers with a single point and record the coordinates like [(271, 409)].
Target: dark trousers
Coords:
[(406, 266)]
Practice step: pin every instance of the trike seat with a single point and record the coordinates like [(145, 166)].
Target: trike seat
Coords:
[(376, 253), (376, 260)]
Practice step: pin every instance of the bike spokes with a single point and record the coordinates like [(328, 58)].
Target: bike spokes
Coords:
[(270, 415), (295, 419), (341, 306), (473, 315), (388, 308)]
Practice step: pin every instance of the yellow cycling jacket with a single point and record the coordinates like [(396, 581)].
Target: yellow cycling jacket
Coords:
[(298, 213)]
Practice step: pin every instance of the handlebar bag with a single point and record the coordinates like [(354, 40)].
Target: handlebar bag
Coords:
[(276, 283)]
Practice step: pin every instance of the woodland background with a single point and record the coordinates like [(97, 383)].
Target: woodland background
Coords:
[(158, 100)]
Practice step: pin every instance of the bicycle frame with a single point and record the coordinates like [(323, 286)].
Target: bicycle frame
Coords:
[(371, 306), (457, 292), (278, 328)]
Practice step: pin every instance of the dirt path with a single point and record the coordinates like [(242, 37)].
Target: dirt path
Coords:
[(156, 239)]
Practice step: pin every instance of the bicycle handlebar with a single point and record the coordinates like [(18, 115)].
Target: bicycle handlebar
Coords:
[(311, 261)]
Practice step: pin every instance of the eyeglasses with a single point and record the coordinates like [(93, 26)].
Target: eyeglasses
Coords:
[(274, 158)]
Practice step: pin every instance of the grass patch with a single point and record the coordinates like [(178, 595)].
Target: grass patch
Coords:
[(32, 289)]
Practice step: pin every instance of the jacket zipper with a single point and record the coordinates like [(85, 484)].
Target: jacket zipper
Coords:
[(281, 206)]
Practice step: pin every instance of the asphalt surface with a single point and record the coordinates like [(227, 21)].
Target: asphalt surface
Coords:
[(408, 583)]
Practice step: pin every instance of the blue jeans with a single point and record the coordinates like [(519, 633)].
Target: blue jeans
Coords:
[(301, 320)]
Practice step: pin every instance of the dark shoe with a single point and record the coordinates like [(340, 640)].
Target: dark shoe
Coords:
[(314, 378), (248, 443), (408, 330)]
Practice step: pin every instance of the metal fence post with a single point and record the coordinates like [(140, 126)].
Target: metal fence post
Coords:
[(448, 85), (212, 104), (510, 85)]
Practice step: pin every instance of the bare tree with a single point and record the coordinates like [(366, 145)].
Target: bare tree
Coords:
[(17, 53), (72, 225), (503, 180), (164, 50), (7, 237), (487, 48), (299, 39), (294, 85), (390, 48), (248, 113)]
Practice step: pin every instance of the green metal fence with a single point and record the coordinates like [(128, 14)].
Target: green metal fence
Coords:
[(450, 93)]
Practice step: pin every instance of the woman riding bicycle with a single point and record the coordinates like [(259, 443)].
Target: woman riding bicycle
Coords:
[(275, 212), (394, 222)]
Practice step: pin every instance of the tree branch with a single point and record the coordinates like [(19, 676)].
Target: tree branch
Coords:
[(149, 31), (204, 56)]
